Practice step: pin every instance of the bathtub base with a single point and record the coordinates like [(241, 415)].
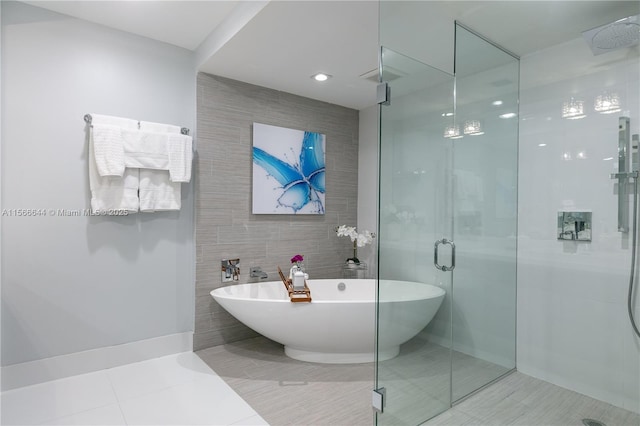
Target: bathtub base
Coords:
[(340, 358)]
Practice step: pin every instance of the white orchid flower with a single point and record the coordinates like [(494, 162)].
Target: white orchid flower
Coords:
[(347, 231), (361, 240)]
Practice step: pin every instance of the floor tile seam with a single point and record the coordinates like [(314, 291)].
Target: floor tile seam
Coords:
[(113, 389), (229, 392), (165, 388), (95, 407), (75, 413), (193, 378)]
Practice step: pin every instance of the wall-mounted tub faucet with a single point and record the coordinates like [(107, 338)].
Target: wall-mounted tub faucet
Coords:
[(256, 272), (230, 270)]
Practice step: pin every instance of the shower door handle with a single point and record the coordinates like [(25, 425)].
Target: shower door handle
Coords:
[(453, 255)]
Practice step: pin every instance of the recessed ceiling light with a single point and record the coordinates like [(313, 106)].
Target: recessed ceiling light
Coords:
[(542, 144), (496, 103), (321, 76), (447, 114), (508, 115)]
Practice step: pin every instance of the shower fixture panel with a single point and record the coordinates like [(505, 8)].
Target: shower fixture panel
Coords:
[(575, 226), (624, 173)]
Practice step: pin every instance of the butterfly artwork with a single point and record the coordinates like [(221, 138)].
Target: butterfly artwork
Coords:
[(288, 171)]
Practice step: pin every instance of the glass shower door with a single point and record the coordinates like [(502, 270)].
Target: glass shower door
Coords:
[(415, 212), (485, 172), (448, 174)]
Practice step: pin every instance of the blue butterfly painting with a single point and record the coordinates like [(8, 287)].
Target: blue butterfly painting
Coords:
[(302, 181)]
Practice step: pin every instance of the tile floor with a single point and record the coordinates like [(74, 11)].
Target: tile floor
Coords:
[(289, 392), (273, 389), (522, 400), (177, 389), (321, 394), (417, 381)]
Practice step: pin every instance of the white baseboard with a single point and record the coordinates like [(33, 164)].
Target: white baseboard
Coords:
[(58, 367)]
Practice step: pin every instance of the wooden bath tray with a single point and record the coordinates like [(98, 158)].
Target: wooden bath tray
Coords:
[(295, 295)]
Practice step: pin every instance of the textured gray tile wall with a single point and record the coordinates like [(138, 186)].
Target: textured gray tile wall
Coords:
[(225, 227)]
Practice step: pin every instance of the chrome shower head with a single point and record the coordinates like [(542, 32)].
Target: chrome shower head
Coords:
[(616, 35)]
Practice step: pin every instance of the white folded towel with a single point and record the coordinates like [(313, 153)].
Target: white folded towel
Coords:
[(137, 166), (157, 192), (108, 143), (146, 150), (180, 152), (177, 149), (113, 196), (111, 193)]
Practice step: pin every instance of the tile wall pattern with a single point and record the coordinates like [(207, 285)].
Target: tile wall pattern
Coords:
[(225, 227)]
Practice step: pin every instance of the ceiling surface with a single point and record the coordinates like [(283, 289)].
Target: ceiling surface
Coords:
[(288, 41), (181, 23)]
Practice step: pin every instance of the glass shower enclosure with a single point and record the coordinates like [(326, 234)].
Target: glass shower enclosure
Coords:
[(448, 216)]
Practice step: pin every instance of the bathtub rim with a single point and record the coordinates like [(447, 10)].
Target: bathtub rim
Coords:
[(218, 292)]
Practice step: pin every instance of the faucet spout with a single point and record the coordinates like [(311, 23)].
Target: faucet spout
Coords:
[(571, 233), (256, 272)]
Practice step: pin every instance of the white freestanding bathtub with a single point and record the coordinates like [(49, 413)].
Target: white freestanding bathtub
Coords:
[(338, 326)]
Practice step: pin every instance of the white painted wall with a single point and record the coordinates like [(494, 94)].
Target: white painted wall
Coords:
[(573, 328), (368, 183), (72, 284)]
